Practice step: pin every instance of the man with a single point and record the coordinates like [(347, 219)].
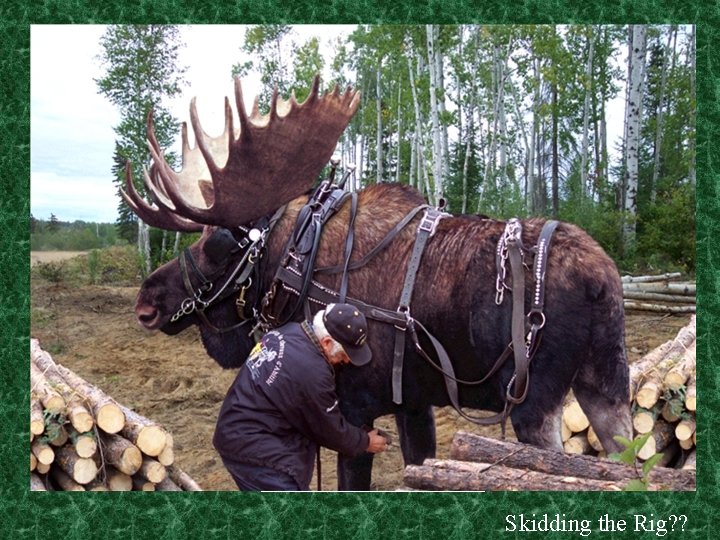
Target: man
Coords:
[(283, 403)]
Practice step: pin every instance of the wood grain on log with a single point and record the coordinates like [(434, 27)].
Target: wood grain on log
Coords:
[(182, 479), (82, 470), (143, 433), (121, 453)]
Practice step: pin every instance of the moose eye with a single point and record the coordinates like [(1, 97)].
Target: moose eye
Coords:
[(219, 245)]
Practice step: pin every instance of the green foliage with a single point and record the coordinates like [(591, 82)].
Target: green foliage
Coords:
[(629, 457), (71, 236), (118, 265), (141, 71)]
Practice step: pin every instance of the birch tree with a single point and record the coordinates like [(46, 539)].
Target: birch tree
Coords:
[(637, 51), (141, 71)]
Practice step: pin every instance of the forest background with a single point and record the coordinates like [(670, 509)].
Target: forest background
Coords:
[(498, 120)]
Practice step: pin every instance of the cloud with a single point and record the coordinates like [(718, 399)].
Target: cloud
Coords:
[(83, 198)]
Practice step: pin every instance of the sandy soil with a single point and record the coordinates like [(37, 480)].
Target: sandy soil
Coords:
[(171, 380)]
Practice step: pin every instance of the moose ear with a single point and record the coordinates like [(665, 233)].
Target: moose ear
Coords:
[(219, 245)]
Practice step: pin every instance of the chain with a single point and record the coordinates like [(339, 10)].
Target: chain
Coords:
[(510, 234)]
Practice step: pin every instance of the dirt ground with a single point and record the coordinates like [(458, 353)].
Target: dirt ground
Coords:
[(92, 330)]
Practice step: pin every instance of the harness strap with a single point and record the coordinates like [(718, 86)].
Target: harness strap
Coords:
[(425, 230), (349, 243), (379, 247)]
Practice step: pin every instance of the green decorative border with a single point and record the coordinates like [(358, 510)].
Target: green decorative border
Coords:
[(328, 515)]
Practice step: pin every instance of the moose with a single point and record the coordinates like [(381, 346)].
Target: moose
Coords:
[(249, 192)]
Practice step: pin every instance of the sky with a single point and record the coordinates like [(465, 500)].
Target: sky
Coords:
[(71, 125), (72, 137)]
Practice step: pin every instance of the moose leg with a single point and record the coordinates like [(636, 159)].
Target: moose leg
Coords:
[(539, 423), (354, 474), (417, 434), (601, 389)]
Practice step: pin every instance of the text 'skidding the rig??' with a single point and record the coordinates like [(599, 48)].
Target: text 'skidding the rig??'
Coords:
[(639, 523)]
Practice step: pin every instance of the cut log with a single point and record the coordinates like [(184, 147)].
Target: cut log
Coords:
[(629, 305), (141, 484), (85, 444), (577, 444), (117, 480), (673, 347), (646, 279), (121, 453), (51, 400), (98, 484), (470, 447), (450, 475), (689, 463), (594, 441), (574, 417), (679, 374), (57, 434), (43, 468), (691, 390), (152, 470), (143, 433), (82, 470), (662, 435), (687, 444), (672, 409), (167, 456), (63, 481), (167, 485), (685, 289), (77, 412), (37, 422), (36, 483), (33, 462), (565, 431), (685, 429), (108, 414), (182, 479), (43, 452), (630, 294), (644, 420)]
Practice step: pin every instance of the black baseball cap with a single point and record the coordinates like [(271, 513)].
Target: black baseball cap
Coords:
[(347, 325)]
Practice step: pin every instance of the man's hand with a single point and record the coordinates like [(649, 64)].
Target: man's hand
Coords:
[(378, 443)]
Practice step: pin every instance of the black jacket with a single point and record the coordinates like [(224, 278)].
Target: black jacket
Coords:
[(282, 405)]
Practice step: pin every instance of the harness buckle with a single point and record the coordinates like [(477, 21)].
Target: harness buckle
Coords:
[(430, 220)]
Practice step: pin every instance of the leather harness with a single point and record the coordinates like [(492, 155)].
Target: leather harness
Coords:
[(296, 270)]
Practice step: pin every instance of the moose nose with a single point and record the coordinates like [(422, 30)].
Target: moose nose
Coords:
[(147, 316)]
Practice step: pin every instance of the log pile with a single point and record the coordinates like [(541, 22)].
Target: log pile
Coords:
[(662, 293), (662, 393), (83, 440), (483, 464)]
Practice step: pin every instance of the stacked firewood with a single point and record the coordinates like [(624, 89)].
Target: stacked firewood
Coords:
[(83, 440), (663, 293), (662, 392), (483, 464)]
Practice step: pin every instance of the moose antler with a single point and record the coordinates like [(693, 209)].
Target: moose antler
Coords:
[(243, 175), (162, 214)]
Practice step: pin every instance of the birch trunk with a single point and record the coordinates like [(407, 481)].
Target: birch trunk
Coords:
[(659, 120), (435, 115), (586, 116), (420, 151), (378, 141), (634, 122)]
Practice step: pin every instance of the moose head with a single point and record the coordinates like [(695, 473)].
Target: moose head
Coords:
[(226, 184)]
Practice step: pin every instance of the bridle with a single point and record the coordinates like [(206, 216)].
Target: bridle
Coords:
[(221, 244)]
